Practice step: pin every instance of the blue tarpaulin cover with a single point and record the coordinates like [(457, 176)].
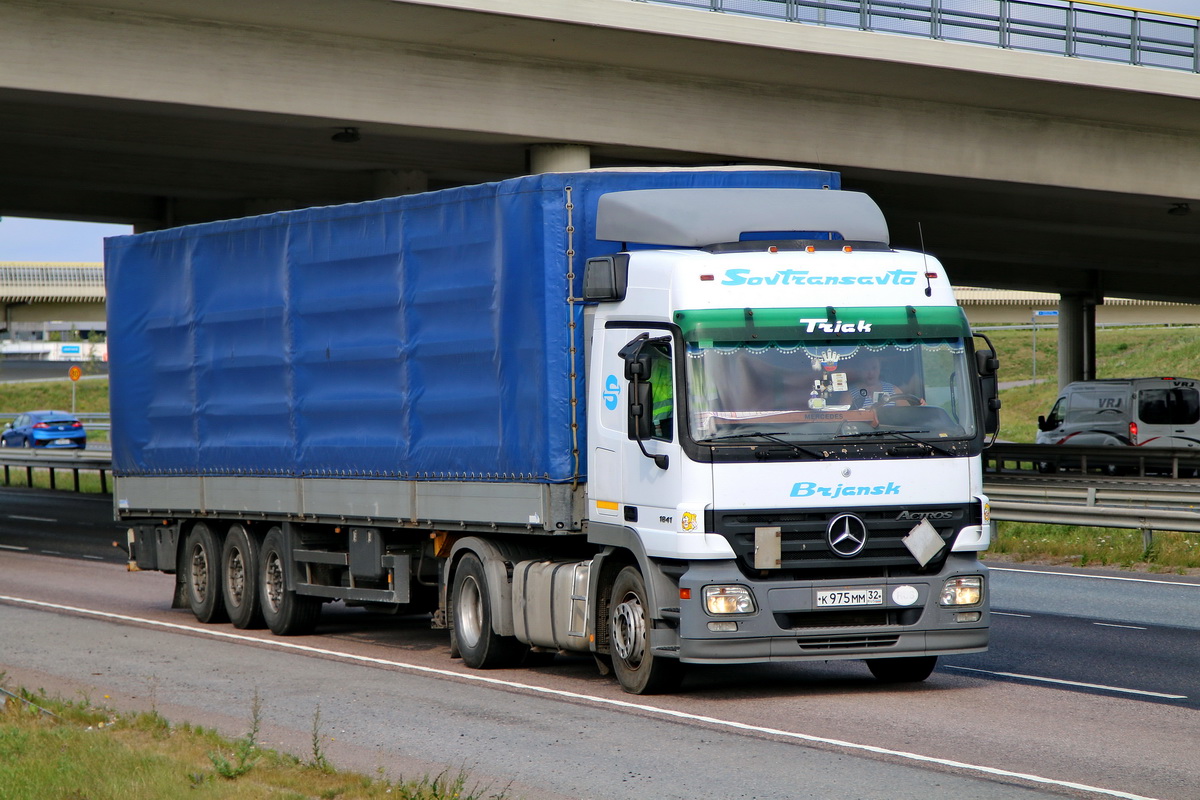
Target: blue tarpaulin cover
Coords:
[(424, 337)]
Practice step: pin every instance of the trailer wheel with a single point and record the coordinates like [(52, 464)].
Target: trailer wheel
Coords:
[(902, 670), (471, 631), (639, 671), (202, 572), (239, 571), (285, 612)]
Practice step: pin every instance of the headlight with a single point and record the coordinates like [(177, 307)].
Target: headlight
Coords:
[(965, 591), (728, 600)]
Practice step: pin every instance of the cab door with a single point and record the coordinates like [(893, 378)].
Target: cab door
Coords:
[(636, 464)]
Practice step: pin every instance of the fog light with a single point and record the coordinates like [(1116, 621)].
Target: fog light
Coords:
[(720, 600), (963, 591), (723, 627), (967, 616)]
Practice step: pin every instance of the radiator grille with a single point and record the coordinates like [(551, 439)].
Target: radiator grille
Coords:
[(806, 553)]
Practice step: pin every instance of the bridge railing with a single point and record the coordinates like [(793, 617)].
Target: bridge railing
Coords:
[(1073, 28)]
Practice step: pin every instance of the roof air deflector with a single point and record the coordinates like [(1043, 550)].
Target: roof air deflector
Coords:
[(698, 217)]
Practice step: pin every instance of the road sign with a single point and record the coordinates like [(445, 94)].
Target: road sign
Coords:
[(1045, 313), (75, 373)]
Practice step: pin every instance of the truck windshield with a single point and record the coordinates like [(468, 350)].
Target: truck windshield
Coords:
[(808, 375)]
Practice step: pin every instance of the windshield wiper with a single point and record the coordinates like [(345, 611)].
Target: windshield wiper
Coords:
[(901, 434), (770, 437)]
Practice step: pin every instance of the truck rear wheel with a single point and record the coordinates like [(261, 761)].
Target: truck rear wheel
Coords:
[(202, 573), (239, 571), (902, 670), (639, 670), (471, 632), (285, 612)]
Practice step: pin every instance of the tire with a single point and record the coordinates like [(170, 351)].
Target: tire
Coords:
[(471, 629), (202, 574), (638, 670), (239, 578), (285, 612), (902, 670)]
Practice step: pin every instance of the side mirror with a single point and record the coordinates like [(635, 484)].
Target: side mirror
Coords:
[(986, 362), (1042, 426), (641, 399), (990, 389), (641, 421)]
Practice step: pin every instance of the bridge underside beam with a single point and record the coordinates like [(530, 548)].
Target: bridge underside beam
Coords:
[(1007, 164)]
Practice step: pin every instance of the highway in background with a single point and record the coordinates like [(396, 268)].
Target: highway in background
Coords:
[(1092, 679), (14, 369)]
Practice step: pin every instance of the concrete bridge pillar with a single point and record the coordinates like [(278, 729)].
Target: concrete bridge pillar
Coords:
[(1076, 338), (559, 158)]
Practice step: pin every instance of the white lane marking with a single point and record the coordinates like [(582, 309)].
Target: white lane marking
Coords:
[(30, 519), (577, 697), (1115, 625), (12, 547), (1060, 682), (1011, 614), (1095, 577)]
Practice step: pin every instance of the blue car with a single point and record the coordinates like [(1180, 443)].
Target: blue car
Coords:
[(48, 429)]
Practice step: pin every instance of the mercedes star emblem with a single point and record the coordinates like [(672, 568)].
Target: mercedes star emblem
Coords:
[(847, 535)]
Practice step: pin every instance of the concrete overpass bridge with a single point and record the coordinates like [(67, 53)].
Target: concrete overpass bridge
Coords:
[(1018, 169)]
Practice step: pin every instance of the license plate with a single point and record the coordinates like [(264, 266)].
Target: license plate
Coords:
[(62, 441), (864, 596)]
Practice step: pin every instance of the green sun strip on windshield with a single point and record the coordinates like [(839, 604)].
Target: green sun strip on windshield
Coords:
[(824, 323)]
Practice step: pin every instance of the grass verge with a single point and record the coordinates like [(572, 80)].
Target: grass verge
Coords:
[(51, 748), (89, 482), (1170, 552)]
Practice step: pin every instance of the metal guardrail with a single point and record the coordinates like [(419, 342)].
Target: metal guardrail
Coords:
[(54, 460), (1026, 459), (1104, 487), (1052, 484), (1072, 28)]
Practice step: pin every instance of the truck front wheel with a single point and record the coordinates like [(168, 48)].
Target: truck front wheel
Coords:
[(202, 571), (638, 670), (285, 612), (472, 634), (902, 670), (239, 571)]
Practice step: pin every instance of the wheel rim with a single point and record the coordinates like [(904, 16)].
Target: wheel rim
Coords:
[(628, 632), (468, 622), (199, 574), (235, 577), (274, 581)]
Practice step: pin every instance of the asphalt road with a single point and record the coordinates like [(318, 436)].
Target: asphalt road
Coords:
[(1091, 681)]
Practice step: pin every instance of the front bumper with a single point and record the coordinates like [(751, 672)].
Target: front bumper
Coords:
[(787, 625)]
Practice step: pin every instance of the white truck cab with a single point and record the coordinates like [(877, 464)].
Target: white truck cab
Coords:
[(788, 436)]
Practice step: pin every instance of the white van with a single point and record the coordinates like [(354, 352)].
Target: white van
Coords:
[(1145, 412)]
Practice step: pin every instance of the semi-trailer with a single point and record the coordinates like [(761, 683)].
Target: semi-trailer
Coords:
[(661, 416)]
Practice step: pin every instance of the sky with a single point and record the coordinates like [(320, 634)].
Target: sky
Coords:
[(53, 240)]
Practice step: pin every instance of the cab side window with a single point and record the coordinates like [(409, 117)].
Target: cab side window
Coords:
[(662, 392), (1055, 418)]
